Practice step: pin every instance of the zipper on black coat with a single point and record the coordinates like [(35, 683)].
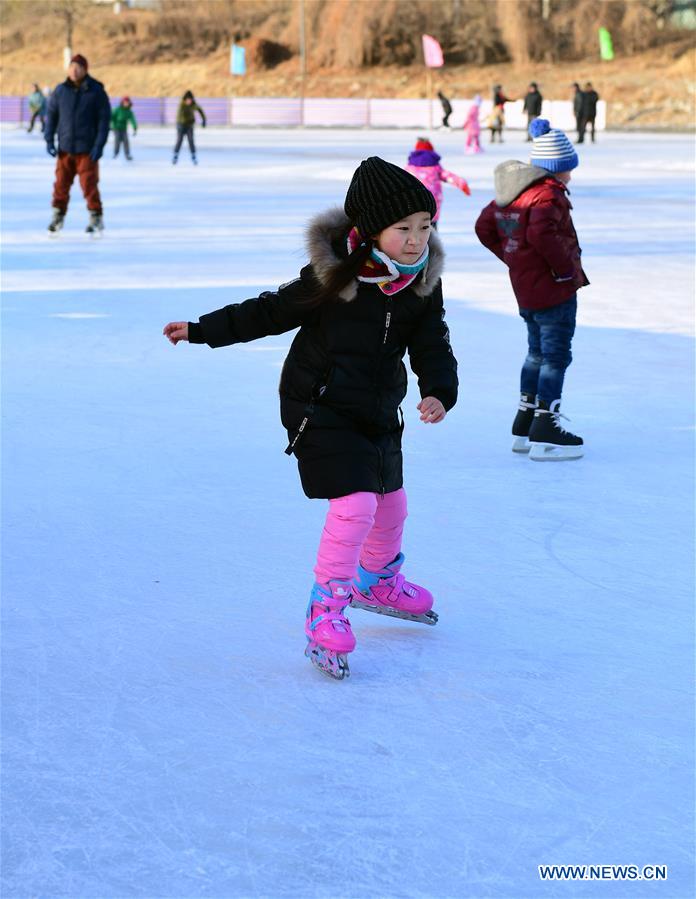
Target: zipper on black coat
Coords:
[(381, 471), (387, 321)]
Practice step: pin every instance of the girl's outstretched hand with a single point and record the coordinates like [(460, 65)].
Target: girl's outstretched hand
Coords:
[(431, 410), (176, 331)]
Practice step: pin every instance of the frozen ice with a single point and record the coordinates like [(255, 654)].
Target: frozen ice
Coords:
[(163, 734)]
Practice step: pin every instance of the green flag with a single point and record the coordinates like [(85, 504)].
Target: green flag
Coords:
[(606, 47)]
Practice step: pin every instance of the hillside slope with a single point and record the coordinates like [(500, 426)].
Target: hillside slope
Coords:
[(148, 53)]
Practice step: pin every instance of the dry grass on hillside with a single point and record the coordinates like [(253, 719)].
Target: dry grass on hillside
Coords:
[(361, 48)]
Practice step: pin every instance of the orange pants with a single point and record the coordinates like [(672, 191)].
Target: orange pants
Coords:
[(67, 166)]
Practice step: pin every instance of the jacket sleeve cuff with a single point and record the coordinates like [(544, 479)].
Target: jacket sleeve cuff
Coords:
[(195, 333), (448, 398)]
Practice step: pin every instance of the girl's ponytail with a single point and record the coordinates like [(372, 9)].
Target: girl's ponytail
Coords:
[(347, 270)]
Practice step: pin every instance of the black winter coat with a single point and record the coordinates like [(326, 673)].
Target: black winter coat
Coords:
[(589, 105), (344, 379), (81, 115), (532, 103)]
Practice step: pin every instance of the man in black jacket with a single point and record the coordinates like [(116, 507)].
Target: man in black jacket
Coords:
[(79, 112), (578, 111), (532, 104), (589, 110)]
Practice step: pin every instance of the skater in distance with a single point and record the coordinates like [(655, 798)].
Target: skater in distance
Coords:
[(424, 163), (79, 112), (185, 121), (370, 293), (528, 226), (120, 117)]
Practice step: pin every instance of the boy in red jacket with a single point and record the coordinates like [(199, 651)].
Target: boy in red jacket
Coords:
[(528, 226)]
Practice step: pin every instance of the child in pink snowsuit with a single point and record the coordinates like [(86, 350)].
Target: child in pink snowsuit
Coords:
[(371, 293), (424, 163), (472, 126)]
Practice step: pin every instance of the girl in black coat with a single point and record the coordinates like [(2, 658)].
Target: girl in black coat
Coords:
[(370, 293)]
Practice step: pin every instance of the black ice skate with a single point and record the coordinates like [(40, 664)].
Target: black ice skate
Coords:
[(193, 159), (550, 442), (56, 222), (96, 224), (522, 423), (175, 158)]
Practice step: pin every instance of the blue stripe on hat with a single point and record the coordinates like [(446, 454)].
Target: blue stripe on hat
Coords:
[(554, 152)]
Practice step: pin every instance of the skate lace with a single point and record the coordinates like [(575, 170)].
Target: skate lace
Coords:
[(557, 416)]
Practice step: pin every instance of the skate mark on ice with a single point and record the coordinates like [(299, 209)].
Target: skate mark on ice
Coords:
[(548, 546)]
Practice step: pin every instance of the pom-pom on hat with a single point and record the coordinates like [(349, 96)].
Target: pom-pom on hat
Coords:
[(80, 60), (551, 149), (382, 193), (422, 143)]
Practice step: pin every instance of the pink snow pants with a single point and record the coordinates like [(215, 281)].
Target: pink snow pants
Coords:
[(363, 528)]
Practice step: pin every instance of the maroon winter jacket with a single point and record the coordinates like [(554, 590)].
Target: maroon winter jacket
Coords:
[(529, 227)]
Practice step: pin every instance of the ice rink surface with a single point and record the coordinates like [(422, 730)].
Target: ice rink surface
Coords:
[(164, 735)]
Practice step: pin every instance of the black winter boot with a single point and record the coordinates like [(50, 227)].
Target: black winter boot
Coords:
[(549, 440), (57, 221), (96, 223), (522, 423)]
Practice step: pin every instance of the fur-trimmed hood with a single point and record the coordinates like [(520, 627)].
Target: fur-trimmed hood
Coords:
[(332, 225)]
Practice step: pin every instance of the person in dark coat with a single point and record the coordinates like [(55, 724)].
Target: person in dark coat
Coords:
[(79, 112), (529, 227), (446, 109), (185, 121), (371, 293), (579, 111), (589, 110), (499, 98), (497, 116), (532, 105)]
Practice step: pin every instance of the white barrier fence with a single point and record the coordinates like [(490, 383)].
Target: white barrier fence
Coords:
[(384, 113)]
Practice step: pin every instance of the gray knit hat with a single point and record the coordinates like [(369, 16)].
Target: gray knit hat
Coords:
[(382, 193)]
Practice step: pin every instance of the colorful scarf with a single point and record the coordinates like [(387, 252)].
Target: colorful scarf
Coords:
[(379, 269)]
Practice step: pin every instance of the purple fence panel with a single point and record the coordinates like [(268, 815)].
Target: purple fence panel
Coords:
[(10, 109), (329, 112), (216, 110), (148, 110), (170, 105), (266, 111)]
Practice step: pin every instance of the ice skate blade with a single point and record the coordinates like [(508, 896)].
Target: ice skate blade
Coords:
[(333, 664), (426, 618), (521, 445), (551, 452)]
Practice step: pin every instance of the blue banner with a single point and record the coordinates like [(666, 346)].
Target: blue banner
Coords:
[(237, 60)]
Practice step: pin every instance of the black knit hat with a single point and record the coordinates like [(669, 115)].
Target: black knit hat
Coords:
[(381, 194)]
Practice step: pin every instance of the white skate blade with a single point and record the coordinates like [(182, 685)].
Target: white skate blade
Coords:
[(426, 618), (521, 445), (551, 452), (334, 664)]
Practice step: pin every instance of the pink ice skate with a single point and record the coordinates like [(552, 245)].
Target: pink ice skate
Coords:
[(388, 593), (329, 637)]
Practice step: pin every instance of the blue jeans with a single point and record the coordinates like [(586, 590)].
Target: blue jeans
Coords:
[(549, 335)]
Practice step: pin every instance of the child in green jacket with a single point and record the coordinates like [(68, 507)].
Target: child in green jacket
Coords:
[(120, 117)]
